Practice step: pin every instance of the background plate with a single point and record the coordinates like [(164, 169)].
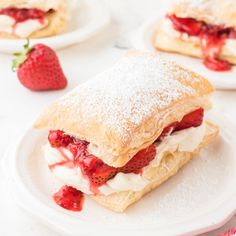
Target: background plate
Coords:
[(90, 18), (199, 198), (142, 40)]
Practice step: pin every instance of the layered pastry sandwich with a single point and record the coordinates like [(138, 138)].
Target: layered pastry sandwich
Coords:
[(32, 18), (123, 133), (204, 28)]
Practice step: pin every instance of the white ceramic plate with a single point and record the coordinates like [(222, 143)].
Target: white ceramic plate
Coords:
[(90, 18), (142, 40), (199, 198)]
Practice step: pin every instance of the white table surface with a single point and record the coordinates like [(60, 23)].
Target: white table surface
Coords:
[(19, 107)]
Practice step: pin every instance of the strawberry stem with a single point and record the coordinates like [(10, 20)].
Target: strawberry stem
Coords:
[(20, 57)]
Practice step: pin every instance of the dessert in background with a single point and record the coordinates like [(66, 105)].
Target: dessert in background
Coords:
[(205, 29), (32, 18)]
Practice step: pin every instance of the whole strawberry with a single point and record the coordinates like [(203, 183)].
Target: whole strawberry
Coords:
[(38, 68)]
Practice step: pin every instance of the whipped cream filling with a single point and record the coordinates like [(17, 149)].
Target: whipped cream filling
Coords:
[(167, 27), (184, 141), (22, 29)]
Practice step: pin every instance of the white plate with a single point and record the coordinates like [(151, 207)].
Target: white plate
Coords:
[(199, 198), (142, 40), (90, 18)]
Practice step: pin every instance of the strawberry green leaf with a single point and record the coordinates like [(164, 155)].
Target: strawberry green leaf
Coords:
[(20, 57)]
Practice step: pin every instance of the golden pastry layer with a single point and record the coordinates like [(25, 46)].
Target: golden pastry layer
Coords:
[(217, 12), (168, 167), (124, 109)]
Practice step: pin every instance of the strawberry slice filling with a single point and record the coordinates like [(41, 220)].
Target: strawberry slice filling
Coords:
[(95, 170), (23, 14), (212, 39)]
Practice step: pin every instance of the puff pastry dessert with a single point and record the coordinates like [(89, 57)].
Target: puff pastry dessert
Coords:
[(123, 133), (204, 29), (32, 18)]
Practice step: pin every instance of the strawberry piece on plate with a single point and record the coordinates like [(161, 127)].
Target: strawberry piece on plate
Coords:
[(69, 198)]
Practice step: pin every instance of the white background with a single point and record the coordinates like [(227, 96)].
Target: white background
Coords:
[(19, 107)]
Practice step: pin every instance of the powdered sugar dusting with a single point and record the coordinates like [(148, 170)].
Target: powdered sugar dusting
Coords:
[(203, 4), (128, 93), (213, 9)]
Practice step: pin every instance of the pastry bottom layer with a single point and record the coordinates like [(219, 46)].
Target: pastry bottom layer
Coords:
[(169, 166), (163, 41)]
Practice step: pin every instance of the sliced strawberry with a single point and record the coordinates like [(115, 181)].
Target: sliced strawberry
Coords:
[(193, 119), (102, 174), (87, 162), (58, 138), (69, 198), (97, 172), (140, 160), (186, 25), (77, 146), (92, 167), (166, 131)]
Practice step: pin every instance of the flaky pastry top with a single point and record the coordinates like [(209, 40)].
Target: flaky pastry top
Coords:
[(124, 109)]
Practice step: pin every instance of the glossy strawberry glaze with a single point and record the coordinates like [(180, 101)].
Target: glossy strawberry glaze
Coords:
[(95, 170), (193, 119), (69, 198), (23, 14), (212, 38)]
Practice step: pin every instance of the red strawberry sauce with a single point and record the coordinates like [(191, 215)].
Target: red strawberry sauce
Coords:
[(23, 14), (95, 170), (212, 38), (69, 198)]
